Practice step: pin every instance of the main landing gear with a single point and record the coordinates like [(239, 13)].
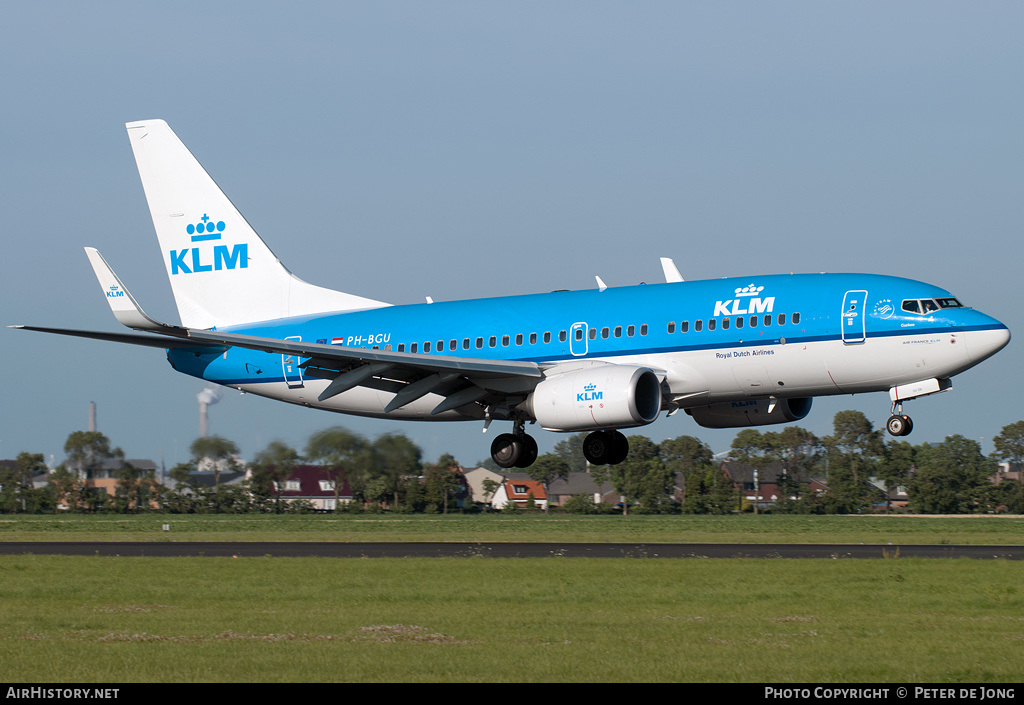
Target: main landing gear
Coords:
[(899, 424), (519, 450), (514, 450), (605, 448)]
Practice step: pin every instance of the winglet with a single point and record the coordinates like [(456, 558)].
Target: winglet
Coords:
[(124, 306), (671, 271)]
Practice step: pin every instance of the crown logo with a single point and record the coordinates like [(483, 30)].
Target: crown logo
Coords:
[(590, 387), (205, 229), (752, 290)]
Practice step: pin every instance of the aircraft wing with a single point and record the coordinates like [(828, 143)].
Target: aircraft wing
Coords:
[(463, 380), (152, 341)]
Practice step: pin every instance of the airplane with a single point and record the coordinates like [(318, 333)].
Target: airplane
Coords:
[(729, 352)]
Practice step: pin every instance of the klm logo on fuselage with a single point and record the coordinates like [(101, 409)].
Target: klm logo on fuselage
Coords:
[(193, 260), (588, 394), (748, 300)]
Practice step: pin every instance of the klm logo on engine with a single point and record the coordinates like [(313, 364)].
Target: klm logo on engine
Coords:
[(748, 300), (589, 394), (200, 258)]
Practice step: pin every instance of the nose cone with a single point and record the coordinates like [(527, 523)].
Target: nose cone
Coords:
[(983, 344)]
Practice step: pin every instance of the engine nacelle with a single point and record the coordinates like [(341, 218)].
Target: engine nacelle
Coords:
[(751, 412), (602, 396)]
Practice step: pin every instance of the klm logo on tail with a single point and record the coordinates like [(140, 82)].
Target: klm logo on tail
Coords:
[(194, 260)]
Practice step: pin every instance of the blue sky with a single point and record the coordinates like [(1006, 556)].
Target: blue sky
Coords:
[(459, 149)]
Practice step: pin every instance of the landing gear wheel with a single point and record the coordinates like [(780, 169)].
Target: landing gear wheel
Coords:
[(529, 452), (620, 449), (605, 448), (899, 425), (506, 450), (511, 451)]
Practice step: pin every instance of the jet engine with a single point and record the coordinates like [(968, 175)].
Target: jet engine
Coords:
[(751, 412), (601, 396)]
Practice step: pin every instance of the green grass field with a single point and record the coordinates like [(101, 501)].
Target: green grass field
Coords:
[(896, 620), (124, 620), (529, 527)]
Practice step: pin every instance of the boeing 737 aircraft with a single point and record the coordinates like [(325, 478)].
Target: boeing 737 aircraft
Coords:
[(729, 352)]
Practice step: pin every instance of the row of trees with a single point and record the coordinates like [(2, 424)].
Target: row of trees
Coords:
[(388, 473), (952, 477)]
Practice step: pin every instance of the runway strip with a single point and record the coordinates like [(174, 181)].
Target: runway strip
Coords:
[(508, 550)]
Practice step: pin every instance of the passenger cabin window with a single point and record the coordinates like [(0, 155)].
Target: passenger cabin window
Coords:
[(618, 331), (579, 334), (739, 322), (604, 332), (547, 336), (426, 347), (782, 319), (630, 330), (561, 336), (698, 325), (492, 341), (479, 342), (519, 338), (413, 346), (725, 324), (712, 323), (671, 326), (796, 319), (767, 319), (684, 326), (452, 344), (504, 341), (533, 338), (465, 343), (643, 329), (753, 321)]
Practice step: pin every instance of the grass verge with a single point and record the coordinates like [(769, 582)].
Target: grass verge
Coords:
[(123, 620), (528, 527)]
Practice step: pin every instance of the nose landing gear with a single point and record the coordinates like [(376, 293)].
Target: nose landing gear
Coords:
[(899, 424)]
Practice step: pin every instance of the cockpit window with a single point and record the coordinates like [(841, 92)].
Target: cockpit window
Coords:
[(929, 305)]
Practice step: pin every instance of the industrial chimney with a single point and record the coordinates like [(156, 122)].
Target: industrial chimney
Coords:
[(207, 397)]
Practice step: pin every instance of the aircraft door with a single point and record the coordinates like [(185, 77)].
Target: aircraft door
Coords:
[(854, 321), (578, 339), (290, 367)]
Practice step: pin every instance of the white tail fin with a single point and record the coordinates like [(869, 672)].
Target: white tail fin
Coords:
[(221, 272)]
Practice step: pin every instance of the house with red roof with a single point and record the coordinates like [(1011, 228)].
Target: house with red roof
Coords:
[(519, 489), (316, 485)]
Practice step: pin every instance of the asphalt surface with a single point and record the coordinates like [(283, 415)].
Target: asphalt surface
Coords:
[(507, 550)]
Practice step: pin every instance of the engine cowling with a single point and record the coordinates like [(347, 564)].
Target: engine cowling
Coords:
[(750, 412), (602, 396)]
